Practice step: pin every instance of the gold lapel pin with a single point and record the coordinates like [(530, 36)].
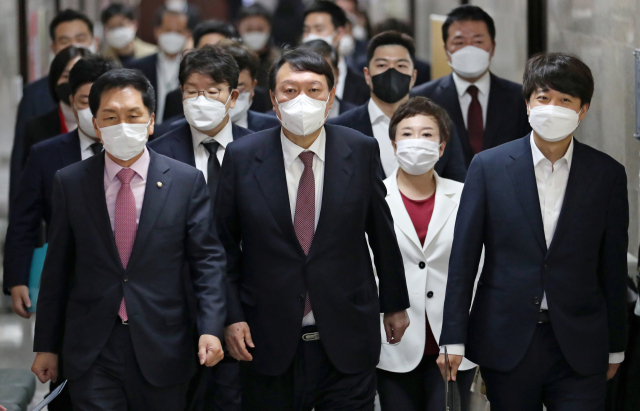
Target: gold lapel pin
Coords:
[(159, 184)]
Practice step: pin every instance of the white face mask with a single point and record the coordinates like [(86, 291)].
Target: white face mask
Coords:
[(120, 37), (359, 32), (470, 61), (256, 40), (85, 122), (347, 45), (172, 42), (124, 141), (91, 47), (176, 5), (553, 123), (204, 114), (242, 106), (417, 156), (303, 115), (327, 39)]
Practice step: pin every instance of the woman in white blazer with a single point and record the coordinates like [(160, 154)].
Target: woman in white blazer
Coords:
[(424, 207)]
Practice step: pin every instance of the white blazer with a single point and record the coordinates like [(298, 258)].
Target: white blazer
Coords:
[(422, 282)]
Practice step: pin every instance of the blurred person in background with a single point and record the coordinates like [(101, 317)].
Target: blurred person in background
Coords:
[(183, 6), (120, 28)]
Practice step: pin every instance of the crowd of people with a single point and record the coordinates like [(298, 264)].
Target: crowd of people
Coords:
[(234, 225)]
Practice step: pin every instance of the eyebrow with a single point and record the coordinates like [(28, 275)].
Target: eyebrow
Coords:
[(423, 128)]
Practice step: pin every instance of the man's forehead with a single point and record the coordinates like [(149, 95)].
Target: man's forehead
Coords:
[(74, 25), (289, 76), (392, 52)]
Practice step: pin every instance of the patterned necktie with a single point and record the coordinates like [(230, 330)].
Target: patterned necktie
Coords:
[(96, 148), (475, 124), (125, 223), (213, 168), (305, 216)]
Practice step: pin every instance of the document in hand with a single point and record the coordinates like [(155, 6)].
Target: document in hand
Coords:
[(37, 263), (452, 395), (50, 397)]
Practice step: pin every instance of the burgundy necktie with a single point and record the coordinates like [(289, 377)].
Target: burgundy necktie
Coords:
[(475, 125), (305, 217), (125, 223)]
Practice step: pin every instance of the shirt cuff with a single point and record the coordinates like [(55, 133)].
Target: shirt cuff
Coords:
[(616, 357), (454, 349)]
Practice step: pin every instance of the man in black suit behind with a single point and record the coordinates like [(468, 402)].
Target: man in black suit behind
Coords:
[(293, 209), (486, 110), (548, 322), (112, 298)]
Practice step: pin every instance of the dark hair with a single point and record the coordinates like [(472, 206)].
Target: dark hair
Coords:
[(116, 9), (301, 59), (120, 79), (323, 49), (159, 16), (468, 12), (338, 16), (422, 106), (395, 25), (66, 16), (243, 55), (391, 38), (60, 62), (88, 70), (254, 10), (562, 72), (212, 61), (213, 26)]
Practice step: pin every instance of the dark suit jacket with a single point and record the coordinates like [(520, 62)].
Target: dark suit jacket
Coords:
[(83, 280), (268, 273), (148, 66), (260, 121), (32, 203), (346, 106), (36, 100), (451, 164), (356, 90), (424, 72), (40, 128), (506, 114), (583, 272)]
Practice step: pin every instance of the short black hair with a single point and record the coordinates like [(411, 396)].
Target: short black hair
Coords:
[(88, 70), (255, 10), (243, 55), (65, 16), (212, 61), (159, 16), (213, 26), (116, 9), (323, 49), (417, 106), (391, 38), (562, 72), (338, 16), (393, 24), (301, 59), (468, 12), (120, 79), (60, 62)]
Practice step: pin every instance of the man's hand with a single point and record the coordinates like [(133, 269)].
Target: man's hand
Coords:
[(454, 364), (238, 337), (210, 350), (395, 324), (45, 366), (613, 369), (21, 301)]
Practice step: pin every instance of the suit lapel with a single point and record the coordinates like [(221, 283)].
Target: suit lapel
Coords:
[(69, 149), (182, 147), (452, 105), (443, 207), (493, 112), (399, 212)]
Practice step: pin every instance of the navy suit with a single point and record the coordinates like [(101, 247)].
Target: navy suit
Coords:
[(451, 164), (506, 112), (41, 128), (356, 90), (583, 272), (260, 121), (148, 66)]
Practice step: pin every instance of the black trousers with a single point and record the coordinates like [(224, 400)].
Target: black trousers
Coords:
[(217, 388), (114, 382), (63, 401), (544, 377), (421, 389), (628, 393), (311, 382)]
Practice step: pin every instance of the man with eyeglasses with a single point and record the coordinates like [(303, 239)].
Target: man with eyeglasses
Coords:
[(208, 81)]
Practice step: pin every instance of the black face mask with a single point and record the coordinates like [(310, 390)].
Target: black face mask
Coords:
[(391, 86), (63, 92)]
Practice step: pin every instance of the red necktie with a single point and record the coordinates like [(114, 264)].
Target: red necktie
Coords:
[(305, 217), (475, 126), (125, 223)]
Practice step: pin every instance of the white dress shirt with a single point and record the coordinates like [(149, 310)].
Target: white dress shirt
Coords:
[(294, 167), (243, 121), (85, 144), (380, 125), (342, 77), (167, 71), (224, 137), (483, 84)]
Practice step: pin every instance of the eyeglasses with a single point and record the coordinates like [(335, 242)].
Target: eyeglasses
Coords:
[(210, 93)]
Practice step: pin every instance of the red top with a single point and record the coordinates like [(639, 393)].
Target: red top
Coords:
[(420, 212), (63, 124)]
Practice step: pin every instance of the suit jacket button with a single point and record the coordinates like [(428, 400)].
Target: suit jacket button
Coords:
[(126, 279), (546, 267), (430, 294), (422, 265), (536, 300), (301, 298)]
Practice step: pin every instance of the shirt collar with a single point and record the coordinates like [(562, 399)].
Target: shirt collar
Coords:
[(166, 61), (85, 141), (224, 136), (141, 166), (538, 156), (375, 113), (291, 150), (483, 84)]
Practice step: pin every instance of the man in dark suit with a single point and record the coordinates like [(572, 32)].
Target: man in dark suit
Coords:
[(69, 27), (486, 110), (390, 75), (292, 209), (112, 299), (548, 322)]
